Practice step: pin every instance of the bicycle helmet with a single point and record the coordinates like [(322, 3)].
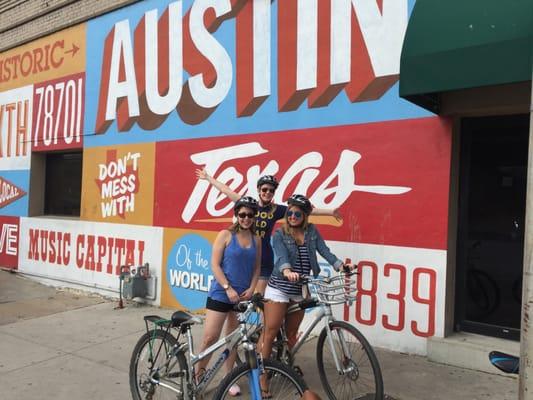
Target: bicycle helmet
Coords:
[(246, 201), (300, 201), (268, 179)]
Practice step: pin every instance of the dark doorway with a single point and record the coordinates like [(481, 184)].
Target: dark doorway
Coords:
[(492, 201), (63, 183)]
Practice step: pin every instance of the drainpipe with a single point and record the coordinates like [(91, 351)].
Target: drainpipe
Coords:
[(525, 387)]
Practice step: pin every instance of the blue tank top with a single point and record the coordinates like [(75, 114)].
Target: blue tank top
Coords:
[(238, 264)]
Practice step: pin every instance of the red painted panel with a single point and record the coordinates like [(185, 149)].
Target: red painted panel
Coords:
[(58, 113), (9, 241), (390, 179)]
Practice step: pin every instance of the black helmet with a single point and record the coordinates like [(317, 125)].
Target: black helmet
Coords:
[(246, 201), (268, 179), (300, 201)]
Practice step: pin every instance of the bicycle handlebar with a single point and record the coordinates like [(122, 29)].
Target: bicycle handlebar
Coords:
[(335, 290), (255, 301), (322, 280)]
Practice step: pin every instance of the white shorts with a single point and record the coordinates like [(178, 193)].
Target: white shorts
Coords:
[(277, 295)]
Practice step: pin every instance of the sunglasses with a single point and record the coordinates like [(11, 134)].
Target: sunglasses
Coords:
[(265, 189), (244, 215), (297, 214)]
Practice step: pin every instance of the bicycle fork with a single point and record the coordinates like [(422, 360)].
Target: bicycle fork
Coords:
[(256, 368), (345, 351)]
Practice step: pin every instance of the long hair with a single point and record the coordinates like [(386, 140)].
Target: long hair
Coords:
[(288, 229), (236, 228)]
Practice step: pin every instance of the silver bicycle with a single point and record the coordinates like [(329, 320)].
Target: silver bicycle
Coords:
[(347, 364), (162, 362)]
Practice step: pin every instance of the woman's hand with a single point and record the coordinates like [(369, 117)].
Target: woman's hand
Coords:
[(233, 296), (290, 275), (246, 295), (337, 214), (202, 174), (348, 267)]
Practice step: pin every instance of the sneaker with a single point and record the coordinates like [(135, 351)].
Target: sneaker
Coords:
[(234, 390)]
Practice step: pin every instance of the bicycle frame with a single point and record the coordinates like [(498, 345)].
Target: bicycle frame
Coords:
[(239, 335), (233, 339), (324, 312)]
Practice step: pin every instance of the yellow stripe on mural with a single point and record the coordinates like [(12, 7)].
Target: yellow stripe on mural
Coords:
[(54, 56)]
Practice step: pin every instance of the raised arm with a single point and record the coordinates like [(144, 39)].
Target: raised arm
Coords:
[(325, 252), (202, 174), (332, 212)]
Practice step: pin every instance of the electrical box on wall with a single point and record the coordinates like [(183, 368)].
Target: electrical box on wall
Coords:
[(136, 282)]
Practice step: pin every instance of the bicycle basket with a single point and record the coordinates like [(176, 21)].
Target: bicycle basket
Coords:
[(335, 290)]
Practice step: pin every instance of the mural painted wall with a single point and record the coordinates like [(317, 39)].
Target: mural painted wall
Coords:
[(9, 242), (118, 184), (41, 108), (86, 253), (303, 89)]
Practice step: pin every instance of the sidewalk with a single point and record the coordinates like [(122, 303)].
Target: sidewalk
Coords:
[(62, 345)]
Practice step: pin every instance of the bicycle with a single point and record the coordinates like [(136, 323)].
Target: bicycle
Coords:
[(162, 364), (347, 364)]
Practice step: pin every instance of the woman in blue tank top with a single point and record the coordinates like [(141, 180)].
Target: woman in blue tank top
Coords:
[(235, 262)]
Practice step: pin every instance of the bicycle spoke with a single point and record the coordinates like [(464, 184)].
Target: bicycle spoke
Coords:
[(283, 384), (359, 375), (149, 360)]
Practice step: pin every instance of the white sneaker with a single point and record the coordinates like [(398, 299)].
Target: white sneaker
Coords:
[(234, 390)]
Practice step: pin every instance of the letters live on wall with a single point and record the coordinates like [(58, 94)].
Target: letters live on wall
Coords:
[(305, 90)]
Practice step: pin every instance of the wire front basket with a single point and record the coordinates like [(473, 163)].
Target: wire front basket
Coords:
[(335, 290)]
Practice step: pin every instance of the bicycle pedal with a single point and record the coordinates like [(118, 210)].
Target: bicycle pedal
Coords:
[(298, 370)]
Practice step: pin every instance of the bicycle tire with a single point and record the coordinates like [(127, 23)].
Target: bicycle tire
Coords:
[(284, 383), (365, 381), (141, 367)]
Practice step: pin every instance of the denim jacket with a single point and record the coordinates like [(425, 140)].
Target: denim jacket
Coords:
[(286, 251)]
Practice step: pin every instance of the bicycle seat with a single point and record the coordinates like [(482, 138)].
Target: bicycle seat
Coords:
[(184, 318), (504, 362)]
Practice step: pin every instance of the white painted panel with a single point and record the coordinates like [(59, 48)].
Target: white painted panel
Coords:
[(379, 314), (15, 128), (65, 250)]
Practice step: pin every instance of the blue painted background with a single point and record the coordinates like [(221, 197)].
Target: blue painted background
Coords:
[(20, 178), (224, 121)]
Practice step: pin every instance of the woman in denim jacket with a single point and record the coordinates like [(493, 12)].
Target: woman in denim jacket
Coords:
[(295, 247)]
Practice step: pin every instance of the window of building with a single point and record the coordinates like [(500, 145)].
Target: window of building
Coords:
[(62, 183)]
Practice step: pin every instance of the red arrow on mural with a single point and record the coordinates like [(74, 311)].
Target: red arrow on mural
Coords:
[(9, 192), (73, 50)]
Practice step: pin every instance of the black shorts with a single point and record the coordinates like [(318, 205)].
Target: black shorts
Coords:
[(219, 306)]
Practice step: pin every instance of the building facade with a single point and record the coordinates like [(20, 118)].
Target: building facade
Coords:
[(104, 122)]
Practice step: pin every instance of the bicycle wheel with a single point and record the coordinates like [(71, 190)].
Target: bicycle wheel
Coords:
[(361, 378), (149, 359), (283, 382)]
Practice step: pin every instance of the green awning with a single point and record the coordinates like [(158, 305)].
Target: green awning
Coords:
[(460, 44)]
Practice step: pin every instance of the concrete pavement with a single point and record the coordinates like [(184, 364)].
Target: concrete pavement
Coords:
[(58, 344)]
